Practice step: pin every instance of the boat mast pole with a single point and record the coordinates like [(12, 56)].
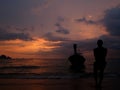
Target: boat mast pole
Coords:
[(75, 48)]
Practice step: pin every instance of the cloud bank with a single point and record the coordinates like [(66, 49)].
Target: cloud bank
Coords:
[(111, 21), (8, 35), (84, 20), (61, 29)]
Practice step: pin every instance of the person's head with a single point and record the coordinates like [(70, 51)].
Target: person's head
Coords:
[(99, 43)]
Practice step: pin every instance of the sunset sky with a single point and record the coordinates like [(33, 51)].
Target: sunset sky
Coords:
[(48, 28)]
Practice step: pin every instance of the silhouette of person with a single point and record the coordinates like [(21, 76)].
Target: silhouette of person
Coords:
[(99, 65), (77, 60)]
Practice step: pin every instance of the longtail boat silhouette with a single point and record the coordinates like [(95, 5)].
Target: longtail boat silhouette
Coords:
[(76, 60)]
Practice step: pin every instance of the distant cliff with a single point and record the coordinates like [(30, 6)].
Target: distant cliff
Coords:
[(5, 57)]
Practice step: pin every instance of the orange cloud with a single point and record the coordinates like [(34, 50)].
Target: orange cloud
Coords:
[(20, 47), (83, 31)]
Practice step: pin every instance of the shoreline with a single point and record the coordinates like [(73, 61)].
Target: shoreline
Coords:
[(55, 75), (58, 84)]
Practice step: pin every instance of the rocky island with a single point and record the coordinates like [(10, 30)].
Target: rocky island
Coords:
[(4, 57)]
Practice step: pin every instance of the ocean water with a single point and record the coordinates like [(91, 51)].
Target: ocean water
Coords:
[(51, 69)]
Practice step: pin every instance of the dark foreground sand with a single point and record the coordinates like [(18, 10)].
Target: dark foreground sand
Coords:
[(58, 84)]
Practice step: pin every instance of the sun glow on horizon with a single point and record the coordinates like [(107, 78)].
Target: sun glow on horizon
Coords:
[(27, 47)]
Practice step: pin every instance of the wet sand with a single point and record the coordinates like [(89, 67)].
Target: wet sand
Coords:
[(58, 84)]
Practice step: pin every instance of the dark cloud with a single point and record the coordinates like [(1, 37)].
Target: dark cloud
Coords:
[(86, 21), (50, 36), (7, 35), (61, 29), (111, 21)]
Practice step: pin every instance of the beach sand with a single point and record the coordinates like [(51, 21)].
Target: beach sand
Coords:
[(58, 84)]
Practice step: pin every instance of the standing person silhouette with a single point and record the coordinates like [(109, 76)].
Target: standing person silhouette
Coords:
[(100, 63)]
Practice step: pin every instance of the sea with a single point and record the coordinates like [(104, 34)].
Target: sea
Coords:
[(52, 69)]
